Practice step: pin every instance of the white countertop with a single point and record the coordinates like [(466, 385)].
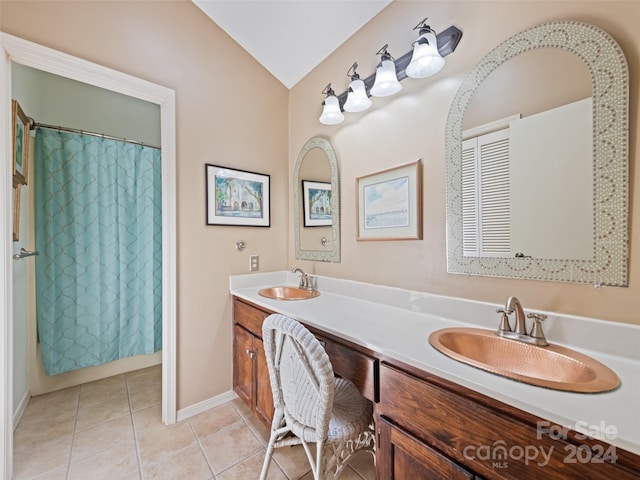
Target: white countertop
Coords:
[(397, 323)]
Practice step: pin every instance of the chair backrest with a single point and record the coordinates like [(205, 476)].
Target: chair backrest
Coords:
[(301, 376)]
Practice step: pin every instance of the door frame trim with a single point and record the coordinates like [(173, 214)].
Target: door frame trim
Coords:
[(14, 49)]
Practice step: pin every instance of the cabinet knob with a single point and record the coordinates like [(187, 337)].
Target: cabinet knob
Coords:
[(251, 353)]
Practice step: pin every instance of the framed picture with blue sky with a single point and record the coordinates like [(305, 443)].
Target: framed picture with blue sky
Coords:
[(389, 203)]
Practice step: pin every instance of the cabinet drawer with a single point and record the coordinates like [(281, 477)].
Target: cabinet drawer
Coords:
[(249, 317), (408, 457), (352, 365), (488, 441)]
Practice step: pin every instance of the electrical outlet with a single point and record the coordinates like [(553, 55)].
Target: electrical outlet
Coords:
[(254, 263)]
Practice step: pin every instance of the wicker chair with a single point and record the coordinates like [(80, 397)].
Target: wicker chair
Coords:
[(311, 405)]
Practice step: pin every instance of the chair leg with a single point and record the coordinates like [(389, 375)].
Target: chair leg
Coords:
[(267, 459), (319, 472), (278, 417)]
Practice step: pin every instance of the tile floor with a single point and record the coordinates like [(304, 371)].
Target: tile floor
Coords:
[(112, 429)]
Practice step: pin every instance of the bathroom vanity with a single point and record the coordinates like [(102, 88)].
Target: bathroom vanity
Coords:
[(441, 419)]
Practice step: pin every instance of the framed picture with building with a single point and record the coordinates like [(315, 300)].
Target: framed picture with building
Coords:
[(316, 201), (237, 197), (20, 149)]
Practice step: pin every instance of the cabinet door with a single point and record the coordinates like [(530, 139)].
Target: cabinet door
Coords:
[(243, 364), (264, 396), (402, 456)]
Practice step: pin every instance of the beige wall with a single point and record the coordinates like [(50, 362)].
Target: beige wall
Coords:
[(229, 111), (174, 44), (411, 125)]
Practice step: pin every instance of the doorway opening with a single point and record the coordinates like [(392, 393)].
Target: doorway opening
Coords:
[(18, 51)]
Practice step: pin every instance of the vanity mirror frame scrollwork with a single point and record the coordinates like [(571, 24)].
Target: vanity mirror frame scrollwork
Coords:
[(332, 253), (609, 73)]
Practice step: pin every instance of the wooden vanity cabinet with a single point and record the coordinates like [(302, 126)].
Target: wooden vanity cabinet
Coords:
[(429, 428), (436, 429), (250, 372)]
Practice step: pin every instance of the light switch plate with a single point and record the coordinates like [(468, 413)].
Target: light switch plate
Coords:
[(254, 263)]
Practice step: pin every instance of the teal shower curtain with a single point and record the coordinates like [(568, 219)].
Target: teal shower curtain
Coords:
[(98, 217)]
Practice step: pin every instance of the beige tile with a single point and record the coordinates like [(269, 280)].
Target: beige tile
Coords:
[(360, 466), (62, 400), (250, 469), (42, 458), (133, 476), (47, 417), (94, 392), (347, 474), (144, 387), (364, 464), (229, 446), (101, 401), (57, 474), (214, 420), (116, 462), (187, 464), (102, 437), (242, 408), (350, 474), (156, 440), (36, 430), (293, 461), (93, 413), (259, 429), (149, 418)]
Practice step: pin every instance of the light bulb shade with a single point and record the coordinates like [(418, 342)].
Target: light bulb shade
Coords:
[(331, 114), (386, 80), (426, 59), (357, 99)]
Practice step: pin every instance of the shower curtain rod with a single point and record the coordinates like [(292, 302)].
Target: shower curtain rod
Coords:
[(35, 124)]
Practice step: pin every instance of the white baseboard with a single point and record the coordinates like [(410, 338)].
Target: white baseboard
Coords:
[(205, 405), (17, 415)]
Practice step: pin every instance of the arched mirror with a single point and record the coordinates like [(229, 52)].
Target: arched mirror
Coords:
[(316, 198), (537, 160)]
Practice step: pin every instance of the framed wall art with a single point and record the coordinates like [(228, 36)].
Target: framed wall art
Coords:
[(389, 203), (237, 197), (16, 212), (316, 199), (20, 137)]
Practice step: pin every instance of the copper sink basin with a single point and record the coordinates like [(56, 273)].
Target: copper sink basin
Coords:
[(288, 293), (553, 366)]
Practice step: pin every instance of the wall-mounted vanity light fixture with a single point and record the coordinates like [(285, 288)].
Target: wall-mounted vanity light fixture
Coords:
[(331, 113), (357, 98), (425, 59), (386, 83)]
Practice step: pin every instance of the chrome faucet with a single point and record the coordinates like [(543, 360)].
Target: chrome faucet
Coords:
[(535, 337), (305, 280), (514, 305)]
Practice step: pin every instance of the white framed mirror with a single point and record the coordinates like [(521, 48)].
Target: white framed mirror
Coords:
[(316, 198), (498, 227)]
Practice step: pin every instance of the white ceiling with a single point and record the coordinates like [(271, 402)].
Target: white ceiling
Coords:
[(291, 37)]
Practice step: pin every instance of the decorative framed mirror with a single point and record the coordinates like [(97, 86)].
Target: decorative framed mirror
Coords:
[(318, 201), (502, 225)]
